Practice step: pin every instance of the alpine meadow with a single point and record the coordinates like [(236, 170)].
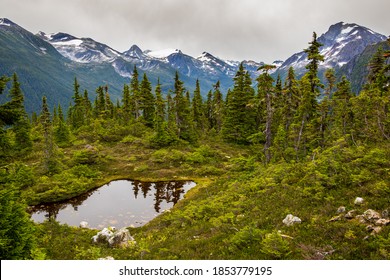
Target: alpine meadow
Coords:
[(291, 160)]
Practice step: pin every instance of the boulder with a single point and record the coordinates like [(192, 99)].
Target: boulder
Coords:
[(371, 215), (382, 222), (113, 238), (291, 220), (121, 238), (102, 236), (359, 200)]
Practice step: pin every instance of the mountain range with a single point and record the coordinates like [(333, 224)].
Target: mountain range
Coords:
[(48, 63)]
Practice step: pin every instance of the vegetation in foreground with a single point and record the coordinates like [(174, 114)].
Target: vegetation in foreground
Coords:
[(255, 156)]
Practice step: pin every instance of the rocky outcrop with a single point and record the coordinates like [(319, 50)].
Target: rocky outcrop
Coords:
[(373, 220), (113, 238), (83, 224)]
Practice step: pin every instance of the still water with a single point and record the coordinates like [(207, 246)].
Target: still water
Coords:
[(120, 203)]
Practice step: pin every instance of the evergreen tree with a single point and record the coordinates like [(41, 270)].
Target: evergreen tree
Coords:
[(147, 101), (61, 130), (265, 91), (197, 109), (184, 123), (161, 136), (22, 125), (239, 121), (341, 109), (127, 104), (218, 108), (16, 229), (209, 111), (314, 57), (49, 161), (135, 96)]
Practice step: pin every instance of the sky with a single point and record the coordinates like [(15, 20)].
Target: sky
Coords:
[(259, 30)]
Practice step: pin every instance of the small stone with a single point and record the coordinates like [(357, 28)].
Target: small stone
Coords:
[(108, 258), (385, 214), (335, 218), (83, 224), (351, 214), (291, 220), (359, 200), (376, 230), (341, 209)]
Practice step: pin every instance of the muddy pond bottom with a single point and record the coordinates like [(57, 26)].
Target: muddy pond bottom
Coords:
[(119, 203)]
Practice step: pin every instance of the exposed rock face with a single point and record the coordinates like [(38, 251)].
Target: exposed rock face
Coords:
[(291, 220), (120, 238)]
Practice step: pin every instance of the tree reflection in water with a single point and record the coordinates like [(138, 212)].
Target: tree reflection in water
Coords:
[(161, 194)]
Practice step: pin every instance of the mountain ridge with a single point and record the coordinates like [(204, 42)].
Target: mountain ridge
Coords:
[(58, 58)]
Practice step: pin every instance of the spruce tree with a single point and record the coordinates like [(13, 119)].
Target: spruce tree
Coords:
[(341, 109), (147, 102), (197, 109), (314, 57), (161, 136), (265, 91), (22, 125), (49, 161), (218, 108), (239, 121), (134, 91)]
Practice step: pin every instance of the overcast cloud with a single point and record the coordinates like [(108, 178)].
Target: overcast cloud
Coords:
[(231, 29)]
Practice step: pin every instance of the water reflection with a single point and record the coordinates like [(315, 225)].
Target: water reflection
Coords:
[(119, 203)]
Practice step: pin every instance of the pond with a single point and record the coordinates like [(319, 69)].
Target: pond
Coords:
[(120, 203)]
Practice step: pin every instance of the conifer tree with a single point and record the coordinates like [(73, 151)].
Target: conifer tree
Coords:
[(239, 121), (16, 228), (341, 109), (161, 136), (265, 91), (22, 125), (134, 91), (185, 128), (197, 109), (61, 130), (314, 57), (126, 104), (49, 161), (147, 101), (218, 108)]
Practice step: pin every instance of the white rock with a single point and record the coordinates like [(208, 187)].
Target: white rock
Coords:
[(84, 224), (371, 215), (108, 258), (359, 200), (291, 220), (341, 209), (121, 238)]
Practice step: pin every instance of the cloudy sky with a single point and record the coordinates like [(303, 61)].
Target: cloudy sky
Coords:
[(261, 30)]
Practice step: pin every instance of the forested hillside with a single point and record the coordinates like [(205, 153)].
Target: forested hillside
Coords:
[(258, 154)]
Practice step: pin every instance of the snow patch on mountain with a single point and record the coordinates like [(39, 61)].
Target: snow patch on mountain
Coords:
[(161, 54)]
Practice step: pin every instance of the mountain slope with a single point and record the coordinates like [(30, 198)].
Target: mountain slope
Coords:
[(42, 70), (341, 43)]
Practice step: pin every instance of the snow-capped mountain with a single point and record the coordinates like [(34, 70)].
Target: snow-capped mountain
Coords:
[(48, 63), (340, 44), (83, 50)]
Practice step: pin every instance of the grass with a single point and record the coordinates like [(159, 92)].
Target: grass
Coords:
[(236, 209)]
